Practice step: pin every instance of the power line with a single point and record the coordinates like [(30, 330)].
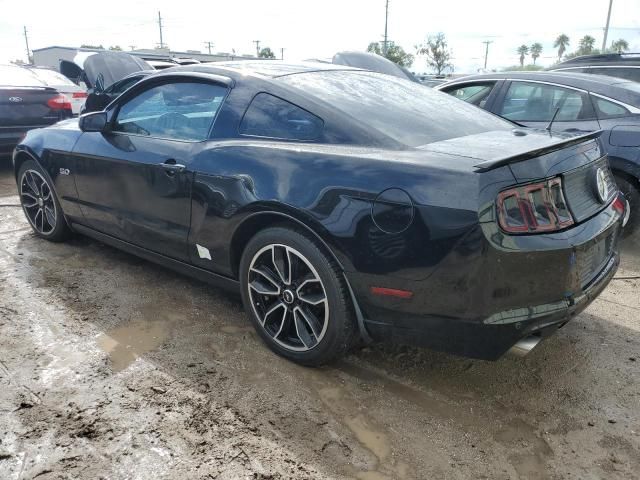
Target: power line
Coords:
[(257, 42), (486, 51), (160, 28), (209, 45), (26, 41)]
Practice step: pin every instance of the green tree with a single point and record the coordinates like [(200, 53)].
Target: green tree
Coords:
[(437, 52), (116, 48), (620, 46), (561, 43), (523, 51), (395, 53), (536, 50), (266, 53), (585, 47), (86, 45)]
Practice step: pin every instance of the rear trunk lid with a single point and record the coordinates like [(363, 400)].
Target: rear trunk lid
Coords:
[(27, 107)]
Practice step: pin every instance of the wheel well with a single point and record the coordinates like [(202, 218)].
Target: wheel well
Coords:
[(20, 158), (627, 176), (260, 221)]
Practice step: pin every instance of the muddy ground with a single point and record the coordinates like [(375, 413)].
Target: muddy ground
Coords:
[(114, 368)]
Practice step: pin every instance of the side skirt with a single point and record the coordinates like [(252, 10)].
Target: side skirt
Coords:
[(198, 273)]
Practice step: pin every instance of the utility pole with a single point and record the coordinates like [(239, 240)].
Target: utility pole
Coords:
[(26, 41), (486, 52), (606, 28), (160, 27), (132, 47), (209, 45), (386, 19), (257, 42), (282, 54)]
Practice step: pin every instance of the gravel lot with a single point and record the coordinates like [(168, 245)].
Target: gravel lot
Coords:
[(114, 368)]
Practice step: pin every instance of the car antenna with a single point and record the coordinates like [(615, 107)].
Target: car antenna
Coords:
[(548, 129)]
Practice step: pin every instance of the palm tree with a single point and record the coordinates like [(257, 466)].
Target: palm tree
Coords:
[(523, 51), (561, 43), (620, 46), (585, 47), (536, 50)]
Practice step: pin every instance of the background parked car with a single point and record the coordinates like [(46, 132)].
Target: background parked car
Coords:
[(74, 93), (621, 65), (26, 103), (98, 100), (584, 103)]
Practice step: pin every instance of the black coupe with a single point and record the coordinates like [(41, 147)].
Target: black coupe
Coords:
[(343, 204)]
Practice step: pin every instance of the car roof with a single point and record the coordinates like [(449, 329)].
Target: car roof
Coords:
[(617, 88), (620, 59), (264, 68)]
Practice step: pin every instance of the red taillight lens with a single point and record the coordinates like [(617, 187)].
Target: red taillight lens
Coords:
[(79, 95), (538, 207), (59, 102)]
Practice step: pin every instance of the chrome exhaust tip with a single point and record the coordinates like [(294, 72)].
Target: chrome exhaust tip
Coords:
[(524, 346)]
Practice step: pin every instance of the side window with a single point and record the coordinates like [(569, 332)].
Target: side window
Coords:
[(537, 102), (177, 111), (119, 87), (475, 94), (270, 116), (607, 109)]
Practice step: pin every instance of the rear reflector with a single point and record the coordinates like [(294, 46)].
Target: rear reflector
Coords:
[(79, 95), (59, 102), (538, 207), (619, 205), (391, 292)]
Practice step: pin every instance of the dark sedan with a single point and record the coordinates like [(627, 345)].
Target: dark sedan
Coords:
[(26, 103), (341, 203), (583, 103)]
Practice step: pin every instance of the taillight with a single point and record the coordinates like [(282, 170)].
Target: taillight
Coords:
[(79, 95), (59, 102), (537, 207)]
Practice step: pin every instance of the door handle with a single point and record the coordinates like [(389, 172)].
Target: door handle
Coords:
[(170, 166)]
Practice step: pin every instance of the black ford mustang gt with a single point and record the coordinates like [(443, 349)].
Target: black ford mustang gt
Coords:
[(341, 203)]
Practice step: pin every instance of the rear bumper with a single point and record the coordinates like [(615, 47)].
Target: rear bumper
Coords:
[(481, 304)]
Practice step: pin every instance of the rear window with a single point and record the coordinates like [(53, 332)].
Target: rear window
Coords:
[(52, 78), (408, 112), (270, 116), (18, 77), (628, 73)]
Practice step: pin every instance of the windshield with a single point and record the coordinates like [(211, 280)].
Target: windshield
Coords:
[(18, 77), (51, 77), (408, 112)]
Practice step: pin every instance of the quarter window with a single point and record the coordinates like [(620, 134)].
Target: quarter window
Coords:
[(270, 116), (537, 102), (475, 94), (607, 109), (177, 111)]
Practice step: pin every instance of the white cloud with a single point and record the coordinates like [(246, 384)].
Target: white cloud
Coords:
[(317, 29)]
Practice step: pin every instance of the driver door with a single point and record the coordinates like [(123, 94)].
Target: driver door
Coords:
[(134, 181)]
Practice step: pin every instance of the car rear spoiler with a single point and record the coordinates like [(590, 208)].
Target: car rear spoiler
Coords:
[(520, 157)]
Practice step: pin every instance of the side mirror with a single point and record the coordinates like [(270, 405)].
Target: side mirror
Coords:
[(93, 122)]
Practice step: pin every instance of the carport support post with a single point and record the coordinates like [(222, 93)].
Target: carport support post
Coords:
[(606, 28)]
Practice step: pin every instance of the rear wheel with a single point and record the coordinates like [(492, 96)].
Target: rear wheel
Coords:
[(40, 204), (632, 196), (296, 297)]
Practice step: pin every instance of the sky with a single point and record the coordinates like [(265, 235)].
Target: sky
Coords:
[(319, 29)]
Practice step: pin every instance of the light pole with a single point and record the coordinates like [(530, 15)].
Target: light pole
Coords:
[(606, 28), (386, 19)]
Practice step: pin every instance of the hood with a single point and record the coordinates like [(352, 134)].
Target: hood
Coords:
[(373, 63), (109, 66)]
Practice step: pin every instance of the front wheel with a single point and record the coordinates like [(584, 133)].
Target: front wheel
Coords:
[(40, 204), (296, 297)]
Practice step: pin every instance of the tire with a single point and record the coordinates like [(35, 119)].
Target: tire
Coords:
[(40, 204), (632, 195), (298, 303)]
